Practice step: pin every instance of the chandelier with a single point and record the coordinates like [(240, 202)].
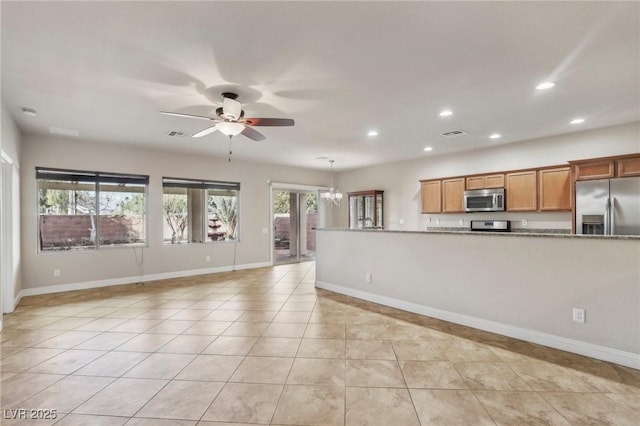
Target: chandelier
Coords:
[(332, 196)]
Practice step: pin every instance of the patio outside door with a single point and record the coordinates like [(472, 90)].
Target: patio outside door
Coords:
[(295, 216)]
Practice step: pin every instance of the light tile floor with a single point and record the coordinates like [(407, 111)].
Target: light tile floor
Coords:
[(265, 347)]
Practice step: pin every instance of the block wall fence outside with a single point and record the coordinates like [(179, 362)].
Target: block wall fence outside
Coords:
[(66, 230)]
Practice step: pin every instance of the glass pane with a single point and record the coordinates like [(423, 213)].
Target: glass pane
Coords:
[(222, 215), (122, 214), (309, 218), (175, 212), (480, 202), (66, 212)]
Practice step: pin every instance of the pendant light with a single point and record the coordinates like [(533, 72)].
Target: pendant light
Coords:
[(333, 196)]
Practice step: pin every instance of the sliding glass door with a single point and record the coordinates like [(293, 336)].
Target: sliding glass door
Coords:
[(295, 215)]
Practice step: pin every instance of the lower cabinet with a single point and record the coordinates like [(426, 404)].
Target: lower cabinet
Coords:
[(522, 191)]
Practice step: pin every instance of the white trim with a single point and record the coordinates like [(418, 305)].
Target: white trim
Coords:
[(628, 359), (34, 291), (5, 157), (6, 234), (297, 186)]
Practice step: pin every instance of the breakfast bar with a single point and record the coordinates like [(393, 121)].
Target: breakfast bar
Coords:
[(520, 285)]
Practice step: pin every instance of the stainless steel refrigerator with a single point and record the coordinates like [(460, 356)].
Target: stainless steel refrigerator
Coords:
[(608, 207)]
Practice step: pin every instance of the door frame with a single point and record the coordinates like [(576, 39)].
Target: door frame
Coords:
[(282, 186), (6, 235)]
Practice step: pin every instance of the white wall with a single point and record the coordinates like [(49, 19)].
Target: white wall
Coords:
[(521, 286), (10, 147), (116, 265), (400, 180)]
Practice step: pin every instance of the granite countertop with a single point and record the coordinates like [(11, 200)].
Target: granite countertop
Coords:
[(542, 233)]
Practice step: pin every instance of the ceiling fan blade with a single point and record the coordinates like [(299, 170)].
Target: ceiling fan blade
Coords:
[(205, 132), (252, 134), (231, 108), (177, 114), (269, 121)]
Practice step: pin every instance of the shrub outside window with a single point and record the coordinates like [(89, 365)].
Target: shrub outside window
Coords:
[(196, 211), (80, 210)]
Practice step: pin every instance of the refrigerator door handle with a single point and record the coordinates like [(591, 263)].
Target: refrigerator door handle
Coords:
[(607, 212), (612, 214)]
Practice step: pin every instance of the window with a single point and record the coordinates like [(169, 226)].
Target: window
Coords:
[(196, 211), (87, 210)]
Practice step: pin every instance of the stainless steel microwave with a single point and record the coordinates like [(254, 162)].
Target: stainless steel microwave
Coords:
[(484, 200)]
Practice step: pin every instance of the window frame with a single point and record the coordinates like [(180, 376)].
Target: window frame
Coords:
[(204, 186), (96, 178)]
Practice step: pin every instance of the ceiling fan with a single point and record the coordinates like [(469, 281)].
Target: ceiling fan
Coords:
[(230, 120)]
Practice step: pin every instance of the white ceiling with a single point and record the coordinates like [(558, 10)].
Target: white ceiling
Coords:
[(338, 69)]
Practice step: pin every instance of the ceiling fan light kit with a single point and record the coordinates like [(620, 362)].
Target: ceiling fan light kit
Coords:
[(230, 128)]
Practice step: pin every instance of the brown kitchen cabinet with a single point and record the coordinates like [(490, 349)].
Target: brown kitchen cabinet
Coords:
[(596, 169), (453, 195), (522, 191), (431, 192), (485, 181), (554, 189), (628, 167)]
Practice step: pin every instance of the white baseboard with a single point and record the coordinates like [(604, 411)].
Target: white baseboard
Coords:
[(628, 359), (34, 291)]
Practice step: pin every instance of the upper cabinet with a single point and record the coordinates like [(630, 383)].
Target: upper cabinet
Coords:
[(485, 181), (603, 169), (431, 192), (606, 168), (522, 191), (453, 195), (366, 209), (554, 189), (629, 167)]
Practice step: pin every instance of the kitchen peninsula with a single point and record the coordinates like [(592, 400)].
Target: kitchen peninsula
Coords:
[(520, 285)]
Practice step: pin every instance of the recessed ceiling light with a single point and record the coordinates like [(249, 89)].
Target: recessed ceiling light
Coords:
[(372, 133), (495, 136), (577, 121), (428, 148), (446, 113), (545, 85), (29, 111)]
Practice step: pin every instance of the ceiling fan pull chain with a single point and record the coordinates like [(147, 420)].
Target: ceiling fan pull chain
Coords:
[(230, 151)]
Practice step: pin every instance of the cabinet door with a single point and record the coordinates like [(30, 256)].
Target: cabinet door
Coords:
[(522, 191), (431, 196), (594, 170), (453, 195), (475, 182), (629, 167), (494, 181), (555, 189)]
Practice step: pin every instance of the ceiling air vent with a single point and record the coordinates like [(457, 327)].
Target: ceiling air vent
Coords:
[(453, 133), (178, 134)]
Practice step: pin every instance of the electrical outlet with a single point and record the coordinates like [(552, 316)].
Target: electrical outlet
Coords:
[(56, 273), (525, 222), (265, 230), (461, 222), (578, 314), (368, 277), (207, 259)]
